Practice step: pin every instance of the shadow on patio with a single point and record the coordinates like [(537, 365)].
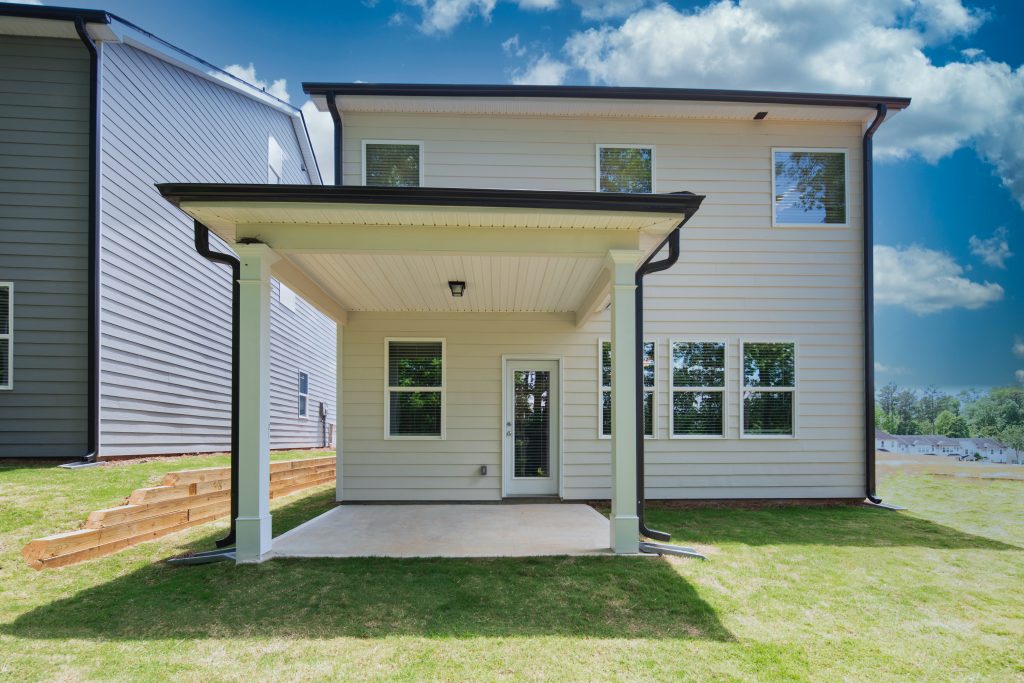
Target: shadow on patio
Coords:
[(604, 597)]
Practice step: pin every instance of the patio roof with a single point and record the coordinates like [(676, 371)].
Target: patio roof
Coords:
[(392, 249)]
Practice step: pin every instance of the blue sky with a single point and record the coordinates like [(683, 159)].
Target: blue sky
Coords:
[(949, 172)]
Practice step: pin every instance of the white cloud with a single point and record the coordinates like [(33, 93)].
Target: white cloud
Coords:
[(927, 281), (513, 47), (599, 10), (441, 16), (858, 46), (321, 136), (542, 70), (1018, 347), (993, 251), (278, 88), (27, 2), (882, 367), (1020, 376)]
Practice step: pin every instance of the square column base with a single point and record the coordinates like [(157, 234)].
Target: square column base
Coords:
[(253, 539), (625, 534)]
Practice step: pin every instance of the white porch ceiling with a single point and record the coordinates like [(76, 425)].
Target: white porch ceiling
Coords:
[(419, 283)]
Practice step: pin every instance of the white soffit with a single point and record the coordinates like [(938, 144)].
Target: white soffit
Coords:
[(51, 28), (583, 107), (419, 283)]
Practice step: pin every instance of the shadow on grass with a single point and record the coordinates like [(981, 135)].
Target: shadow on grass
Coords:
[(372, 598), (858, 526)]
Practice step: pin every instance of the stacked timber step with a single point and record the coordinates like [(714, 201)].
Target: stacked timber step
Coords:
[(184, 499)]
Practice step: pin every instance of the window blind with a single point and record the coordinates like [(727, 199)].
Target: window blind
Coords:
[(532, 393), (6, 341), (649, 376), (392, 164), (698, 388), (626, 169), (769, 386), (810, 187), (415, 388)]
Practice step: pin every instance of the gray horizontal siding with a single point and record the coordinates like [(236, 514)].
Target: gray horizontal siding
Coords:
[(44, 199), (166, 314)]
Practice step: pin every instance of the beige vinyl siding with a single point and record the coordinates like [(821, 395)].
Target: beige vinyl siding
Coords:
[(738, 278)]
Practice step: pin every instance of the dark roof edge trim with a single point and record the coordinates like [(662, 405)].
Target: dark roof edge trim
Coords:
[(678, 203), (603, 92), (92, 16)]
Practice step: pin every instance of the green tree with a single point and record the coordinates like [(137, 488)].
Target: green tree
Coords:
[(951, 425)]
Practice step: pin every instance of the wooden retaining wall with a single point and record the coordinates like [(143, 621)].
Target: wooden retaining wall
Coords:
[(184, 499)]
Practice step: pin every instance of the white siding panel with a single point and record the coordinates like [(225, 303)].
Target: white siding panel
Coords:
[(737, 279), (166, 311)]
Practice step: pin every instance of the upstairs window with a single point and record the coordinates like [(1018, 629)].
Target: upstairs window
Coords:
[(414, 401), (769, 389), (698, 389), (650, 375), (6, 335), (303, 394), (625, 168), (809, 187), (388, 163)]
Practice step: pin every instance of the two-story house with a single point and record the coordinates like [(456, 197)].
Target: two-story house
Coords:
[(564, 291), (115, 333)]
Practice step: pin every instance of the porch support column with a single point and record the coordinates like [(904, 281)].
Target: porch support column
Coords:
[(339, 461), (625, 525), (253, 529)]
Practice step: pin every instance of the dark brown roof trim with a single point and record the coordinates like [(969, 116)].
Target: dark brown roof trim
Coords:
[(603, 92), (92, 16), (679, 202)]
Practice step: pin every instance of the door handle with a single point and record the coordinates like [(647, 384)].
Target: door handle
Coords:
[(508, 433)]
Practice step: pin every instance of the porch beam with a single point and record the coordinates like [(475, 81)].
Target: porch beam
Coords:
[(253, 525), (625, 524), (438, 240), (595, 295), (292, 276)]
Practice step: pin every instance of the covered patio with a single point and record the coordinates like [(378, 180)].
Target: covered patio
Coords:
[(352, 250)]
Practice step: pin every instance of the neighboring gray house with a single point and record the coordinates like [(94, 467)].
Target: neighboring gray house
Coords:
[(114, 331)]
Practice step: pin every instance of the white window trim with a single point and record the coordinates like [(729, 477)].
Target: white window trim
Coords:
[(418, 143), (846, 185), (795, 389), (602, 389), (654, 163), (673, 390), (303, 415), (442, 390), (9, 336)]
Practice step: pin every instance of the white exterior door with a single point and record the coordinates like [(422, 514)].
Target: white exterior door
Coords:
[(532, 428)]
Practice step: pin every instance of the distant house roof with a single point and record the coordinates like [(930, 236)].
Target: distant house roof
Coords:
[(881, 434)]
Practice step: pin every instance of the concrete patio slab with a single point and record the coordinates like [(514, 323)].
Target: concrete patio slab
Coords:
[(449, 531)]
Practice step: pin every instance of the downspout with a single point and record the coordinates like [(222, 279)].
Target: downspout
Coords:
[(869, 305), (645, 269), (332, 106), (93, 287), (202, 243)]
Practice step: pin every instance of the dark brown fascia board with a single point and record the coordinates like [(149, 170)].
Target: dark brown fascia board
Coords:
[(680, 203), (603, 92), (92, 16)]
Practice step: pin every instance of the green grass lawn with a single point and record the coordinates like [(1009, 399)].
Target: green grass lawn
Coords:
[(804, 593)]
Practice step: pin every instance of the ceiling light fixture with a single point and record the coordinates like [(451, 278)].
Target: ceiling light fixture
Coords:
[(458, 287)]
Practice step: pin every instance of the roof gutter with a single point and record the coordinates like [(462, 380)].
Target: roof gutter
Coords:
[(869, 305), (92, 446), (202, 244)]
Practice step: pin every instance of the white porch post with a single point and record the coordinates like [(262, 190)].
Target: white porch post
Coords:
[(253, 530), (625, 526), (339, 478)]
